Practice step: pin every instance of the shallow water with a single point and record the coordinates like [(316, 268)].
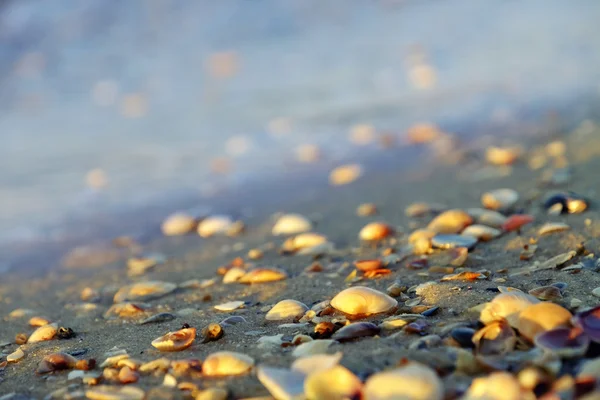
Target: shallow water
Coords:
[(69, 77)]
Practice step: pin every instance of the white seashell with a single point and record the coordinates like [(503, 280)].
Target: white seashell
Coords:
[(286, 310), (316, 362), (414, 382), (507, 306), (143, 291), (283, 384), (105, 392), (312, 348), (215, 225), (233, 275), (225, 363), (229, 306), (46, 332), (552, 227), (496, 386), (332, 384), (482, 232), (500, 199), (178, 224), (169, 381), (361, 300), (15, 356), (291, 224)]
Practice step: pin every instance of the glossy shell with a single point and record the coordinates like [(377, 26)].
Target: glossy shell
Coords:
[(226, 363), (336, 383), (375, 231), (43, 333), (291, 224), (542, 317), (507, 306), (286, 310), (262, 275), (414, 382), (178, 224), (175, 341), (361, 300), (451, 221), (500, 199)]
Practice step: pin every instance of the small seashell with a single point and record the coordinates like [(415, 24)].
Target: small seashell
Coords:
[(262, 275), (396, 289), (160, 364), (127, 375), (496, 338), (419, 326), (334, 383), (270, 342), (214, 393), (366, 210), (516, 221), (375, 231), (212, 332), (421, 234), (368, 265), (311, 348), (421, 209), (361, 300), (286, 310), (178, 224), (139, 265), (46, 332), (188, 367), (234, 275), (125, 310), (113, 360), (89, 294), (175, 341), (454, 257), (56, 362), (500, 199), (563, 342), (234, 320), (144, 291), (158, 318), (15, 356), (542, 317), (487, 217), (345, 174), (226, 363), (547, 293), (394, 323), (553, 227), (304, 241), (589, 322), (316, 363), (20, 312), (482, 232), (291, 224), (215, 225), (105, 392), (563, 203), (496, 386), (450, 222), (356, 330), (502, 155), (413, 381), (507, 306), (39, 321), (230, 305), (283, 384), (376, 273), (452, 241)]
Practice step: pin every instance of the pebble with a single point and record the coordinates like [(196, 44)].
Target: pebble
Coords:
[(375, 231), (482, 232), (516, 221), (291, 224), (414, 382), (452, 241), (178, 224), (553, 227), (487, 217), (230, 305), (596, 292), (175, 341), (361, 300), (144, 291), (345, 174), (282, 384), (542, 317), (43, 333), (336, 383), (227, 363), (286, 310), (500, 199), (215, 225), (15, 356), (449, 222)]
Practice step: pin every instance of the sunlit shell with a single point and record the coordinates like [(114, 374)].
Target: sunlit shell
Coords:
[(212, 332), (105, 392), (126, 310), (502, 155), (89, 294), (516, 221), (482, 232), (46, 332), (345, 174), (453, 257), (414, 382), (178, 224), (589, 322), (463, 276), (355, 331), (283, 384), (507, 306), (449, 241), (139, 265), (368, 265), (564, 342), (56, 362), (127, 375), (215, 225), (144, 291), (375, 231), (495, 338), (39, 321), (553, 227), (286, 310), (225, 363), (421, 234), (15, 355), (230, 305), (366, 210), (332, 384), (487, 217), (451, 221), (311, 348), (291, 224), (550, 293), (496, 386), (233, 275), (315, 363), (160, 364), (187, 367), (421, 209), (500, 199), (542, 317), (361, 300), (20, 312), (175, 341), (304, 241), (261, 275), (376, 273)]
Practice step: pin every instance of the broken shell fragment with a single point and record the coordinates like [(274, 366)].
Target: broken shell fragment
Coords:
[(291, 224), (178, 224), (414, 382), (335, 383), (565, 203), (496, 338), (125, 310), (175, 341), (542, 317), (589, 322), (361, 300), (553, 227), (144, 291), (46, 332), (507, 306), (215, 225), (356, 330), (286, 310), (455, 257), (262, 275), (502, 155), (564, 342), (500, 199), (449, 222), (226, 363), (233, 275), (375, 231), (15, 355), (56, 362), (482, 232)]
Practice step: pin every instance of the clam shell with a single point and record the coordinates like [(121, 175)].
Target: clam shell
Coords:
[(127, 375), (105, 392), (542, 317), (414, 382), (449, 222), (315, 363), (375, 231), (356, 330), (366, 210), (345, 174), (178, 224), (335, 383), (304, 241), (589, 322), (421, 234), (226, 363), (553, 227), (502, 155), (368, 265), (56, 362), (175, 341), (507, 306), (496, 386), (361, 300), (230, 305), (550, 293), (39, 321), (482, 232), (564, 342), (500, 199), (455, 257), (46, 332), (215, 225), (496, 338), (160, 364), (144, 291), (282, 384), (291, 224), (233, 275), (126, 310), (311, 348), (261, 275), (286, 310)]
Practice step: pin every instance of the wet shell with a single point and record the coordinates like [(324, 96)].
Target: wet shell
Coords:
[(507, 306), (553, 227), (105, 392), (496, 338), (375, 231), (361, 300), (215, 225), (144, 291), (549, 293), (414, 382), (317, 362), (356, 330), (517, 221), (225, 363), (125, 310), (500, 199), (286, 310), (481, 232), (368, 265), (291, 224), (175, 341), (46, 332), (304, 241), (261, 275), (178, 224), (312, 348), (542, 317), (56, 362), (283, 384), (332, 384), (589, 322), (564, 342), (230, 305), (496, 386), (345, 174), (451, 221)]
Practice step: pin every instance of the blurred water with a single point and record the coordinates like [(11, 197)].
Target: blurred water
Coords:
[(151, 91)]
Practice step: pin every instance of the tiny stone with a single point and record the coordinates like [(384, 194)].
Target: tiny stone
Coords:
[(596, 292)]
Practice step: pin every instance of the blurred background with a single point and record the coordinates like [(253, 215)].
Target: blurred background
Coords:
[(111, 106)]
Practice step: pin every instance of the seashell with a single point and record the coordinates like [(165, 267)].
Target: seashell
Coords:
[(212, 332), (233, 275), (553, 227), (589, 322), (56, 362), (542, 317), (500, 199), (215, 225), (230, 305), (563, 203), (345, 174), (507, 306), (144, 291), (125, 310), (20, 312), (516, 221), (483, 233), (463, 336), (375, 231), (452, 241), (356, 330), (141, 264), (361, 300), (255, 254), (421, 234), (376, 273), (496, 386), (396, 289), (188, 367), (486, 217), (226, 363), (414, 382), (46, 332), (316, 363), (286, 310), (304, 241), (455, 257), (261, 275), (160, 364), (549, 293), (214, 393), (234, 320), (563, 342), (311, 348), (282, 384), (368, 265), (366, 210), (426, 342), (421, 209), (175, 341), (502, 155), (39, 321), (127, 375), (158, 318), (270, 342), (15, 355), (394, 323), (113, 360), (449, 222), (106, 392), (496, 338), (335, 383), (419, 326), (291, 224), (178, 224)]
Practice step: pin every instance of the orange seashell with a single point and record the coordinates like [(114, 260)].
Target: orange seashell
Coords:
[(516, 221), (375, 231), (127, 375), (542, 317), (175, 341), (451, 221), (368, 265), (375, 273)]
